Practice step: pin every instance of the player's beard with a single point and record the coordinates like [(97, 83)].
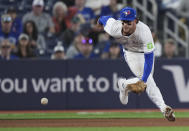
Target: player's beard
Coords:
[(126, 31)]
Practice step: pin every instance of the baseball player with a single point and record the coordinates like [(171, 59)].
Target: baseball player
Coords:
[(138, 48)]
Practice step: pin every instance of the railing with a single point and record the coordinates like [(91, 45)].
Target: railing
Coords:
[(175, 29), (147, 11)]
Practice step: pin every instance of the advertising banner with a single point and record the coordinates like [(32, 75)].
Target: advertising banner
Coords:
[(85, 84)]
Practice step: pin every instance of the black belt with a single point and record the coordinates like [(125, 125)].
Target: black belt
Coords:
[(134, 51)]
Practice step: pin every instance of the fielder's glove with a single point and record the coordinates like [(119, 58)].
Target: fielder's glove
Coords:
[(137, 87)]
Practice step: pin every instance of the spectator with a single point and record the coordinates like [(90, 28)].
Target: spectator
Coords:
[(58, 53), (158, 45), (68, 2), (5, 30), (169, 49), (86, 49), (72, 11), (110, 10), (24, 50), (112, 51), (87, 13), (103, 39), (69, 33), (183, 11), (42, 20), (37, 39), (5, 48), (74, 48), (17, 22), (80, 8), (96, 5), (59, 16)]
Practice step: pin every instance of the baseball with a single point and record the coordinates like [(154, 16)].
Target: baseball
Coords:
[(44, 101)]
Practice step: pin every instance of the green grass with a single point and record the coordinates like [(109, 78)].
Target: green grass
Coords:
[(101, 129), (93, 115), (88, 115)]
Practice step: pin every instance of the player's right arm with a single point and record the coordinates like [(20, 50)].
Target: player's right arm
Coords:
[(111, 26)]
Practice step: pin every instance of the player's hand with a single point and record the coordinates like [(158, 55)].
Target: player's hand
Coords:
[(98, 23), (98, 26)]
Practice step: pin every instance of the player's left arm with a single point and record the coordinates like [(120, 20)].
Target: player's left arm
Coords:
[(148, 64), (148, 54)]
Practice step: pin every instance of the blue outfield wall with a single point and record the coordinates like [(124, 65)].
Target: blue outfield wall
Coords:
[(85, 84)]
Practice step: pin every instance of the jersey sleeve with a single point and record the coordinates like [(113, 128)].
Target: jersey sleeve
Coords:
[(113, 27), (148, 40), (149, 58)]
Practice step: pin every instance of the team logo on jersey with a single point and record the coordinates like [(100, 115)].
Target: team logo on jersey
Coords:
[(127, 12)]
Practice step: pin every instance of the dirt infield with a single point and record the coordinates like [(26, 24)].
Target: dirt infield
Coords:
[(128, 122), (93, 122)]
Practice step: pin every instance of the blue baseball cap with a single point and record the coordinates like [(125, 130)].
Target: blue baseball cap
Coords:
[(128, 14)]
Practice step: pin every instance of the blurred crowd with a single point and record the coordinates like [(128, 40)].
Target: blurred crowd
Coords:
[(68, 30)]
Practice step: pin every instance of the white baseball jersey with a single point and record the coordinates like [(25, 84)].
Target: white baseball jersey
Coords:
[(140, 41)]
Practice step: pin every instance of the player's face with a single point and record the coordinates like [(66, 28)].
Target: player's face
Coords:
[(128, 27)]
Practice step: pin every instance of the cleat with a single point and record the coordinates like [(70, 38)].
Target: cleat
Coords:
[(169, 114), (123, 95)]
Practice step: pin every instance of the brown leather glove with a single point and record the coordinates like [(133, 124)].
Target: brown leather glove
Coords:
[(137, 87)]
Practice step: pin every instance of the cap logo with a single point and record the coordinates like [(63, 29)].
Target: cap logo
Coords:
[(127, 12)]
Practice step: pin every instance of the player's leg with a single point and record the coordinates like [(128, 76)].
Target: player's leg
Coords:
[(124, 92), (136, 64), (123, 82), (155, 95)]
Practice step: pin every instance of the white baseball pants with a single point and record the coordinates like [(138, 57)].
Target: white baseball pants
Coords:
[(135, 62)]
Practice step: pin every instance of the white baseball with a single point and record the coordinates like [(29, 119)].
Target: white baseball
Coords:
[(44, 101)]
